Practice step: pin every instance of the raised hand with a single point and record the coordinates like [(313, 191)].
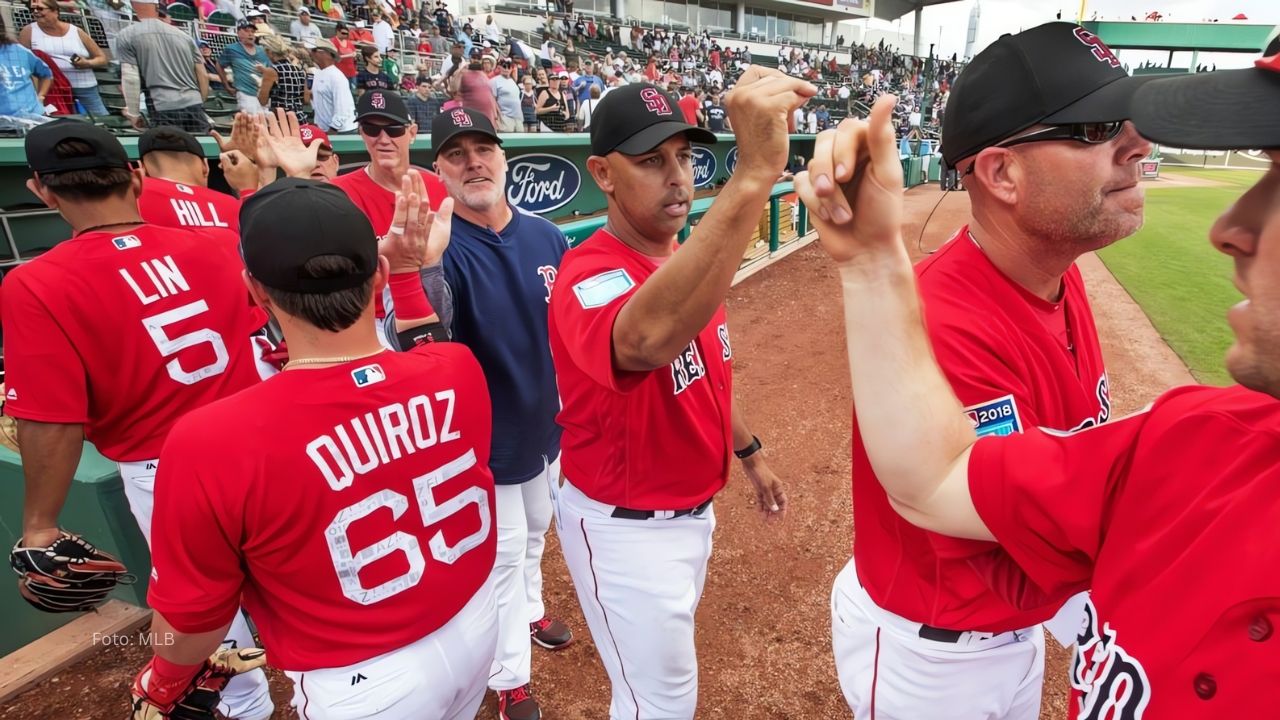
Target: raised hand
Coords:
[(417, 237), (244, 137), (760, 107), (853, 186), (241, 174), (280, 145)]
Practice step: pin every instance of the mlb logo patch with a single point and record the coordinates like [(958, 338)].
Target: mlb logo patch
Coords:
[(997, 417), (11, 394), (124, 242), (368, 375)]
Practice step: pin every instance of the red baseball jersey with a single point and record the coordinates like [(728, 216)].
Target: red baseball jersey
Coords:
[(127, 332), (172, 204), (657, 440), (379, 204), (1015, 361), (1170, 516), (354, 513)]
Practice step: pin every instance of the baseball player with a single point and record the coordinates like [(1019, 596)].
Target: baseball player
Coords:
[(1168, 514), (388, 133), (176, 337), (492, 286), (357, 521), (915, 619), (176, 190), (644, 366)]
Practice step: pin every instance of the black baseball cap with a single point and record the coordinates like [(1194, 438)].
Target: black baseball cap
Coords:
[(1054, 74), (167, 138), (634, 119), (42, 139), (291, 221), (384, 104), (459, 121), (1221, 110)]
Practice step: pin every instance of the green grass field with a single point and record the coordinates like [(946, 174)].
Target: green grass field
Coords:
[(1179, 279)]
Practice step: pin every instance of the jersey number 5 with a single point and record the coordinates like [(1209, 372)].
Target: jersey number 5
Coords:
[(348, 564), (167, 346)]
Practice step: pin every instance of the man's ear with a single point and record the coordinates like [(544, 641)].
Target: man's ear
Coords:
[(39, 190), (601, 173)]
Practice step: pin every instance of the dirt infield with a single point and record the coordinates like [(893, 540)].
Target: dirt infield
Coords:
[(763, 626)]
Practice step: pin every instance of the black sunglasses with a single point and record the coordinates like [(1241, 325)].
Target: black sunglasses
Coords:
[(1094, 133), (1088, 133), (373, 130)]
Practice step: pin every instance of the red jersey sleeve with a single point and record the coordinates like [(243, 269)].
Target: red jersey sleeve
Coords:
[(45, 376), (1046, 496), (197, 571), (584, 306), (980, 377)]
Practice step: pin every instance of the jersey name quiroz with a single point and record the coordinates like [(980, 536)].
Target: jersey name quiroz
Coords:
[(356, 512), (127, 332)]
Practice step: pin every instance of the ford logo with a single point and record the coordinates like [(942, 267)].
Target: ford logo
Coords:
[(704, 167), (540, 183), (731, 160)]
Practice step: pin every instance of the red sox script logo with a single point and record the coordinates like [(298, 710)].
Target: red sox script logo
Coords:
[(1100, 49), (460, 118), (378, 101), (1114, 685), (548, 273), (655, 101)]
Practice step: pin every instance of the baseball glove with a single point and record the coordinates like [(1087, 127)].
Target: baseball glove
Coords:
[(199, 699), (70, 575)]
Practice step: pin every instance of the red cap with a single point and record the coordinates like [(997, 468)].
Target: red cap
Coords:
[(310, 133)]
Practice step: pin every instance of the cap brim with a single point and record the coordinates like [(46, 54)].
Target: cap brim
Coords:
[(1113, 101), (435, 151), (1222, 110), (654, 135), (385, 115)]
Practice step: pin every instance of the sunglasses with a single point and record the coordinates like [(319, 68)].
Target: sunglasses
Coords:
[(373, 130), (1094, 133)]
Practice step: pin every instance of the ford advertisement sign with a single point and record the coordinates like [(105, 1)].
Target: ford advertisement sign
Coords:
[(704, 167), (731, 160), (540, 183)]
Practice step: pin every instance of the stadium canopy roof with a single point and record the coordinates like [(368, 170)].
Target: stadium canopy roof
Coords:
[(894, 9)]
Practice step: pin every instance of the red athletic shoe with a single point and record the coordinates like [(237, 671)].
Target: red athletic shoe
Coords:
[(518, 704), (551, 634)]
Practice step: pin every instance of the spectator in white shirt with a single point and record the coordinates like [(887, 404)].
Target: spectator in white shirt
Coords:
[(383, 35), (715, 77), (303, 28), (491, 31), (335, 110)]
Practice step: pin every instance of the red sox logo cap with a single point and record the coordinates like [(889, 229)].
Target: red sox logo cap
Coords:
[(655, 102), (1100, 49), (307, 134)]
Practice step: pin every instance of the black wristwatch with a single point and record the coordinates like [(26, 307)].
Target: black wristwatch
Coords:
[(749, 450)]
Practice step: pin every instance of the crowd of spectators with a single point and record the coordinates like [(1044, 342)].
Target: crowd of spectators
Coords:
[(438, 61)]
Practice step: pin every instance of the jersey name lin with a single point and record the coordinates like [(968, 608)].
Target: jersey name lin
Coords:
[(361, 444)]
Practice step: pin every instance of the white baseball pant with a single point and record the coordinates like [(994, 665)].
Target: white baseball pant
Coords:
[(888, 672), (246, 697), (524, 515), (442, 676), (639, 583)]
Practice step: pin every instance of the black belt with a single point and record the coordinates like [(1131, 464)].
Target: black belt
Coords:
[(629, 514), (939, 634)]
